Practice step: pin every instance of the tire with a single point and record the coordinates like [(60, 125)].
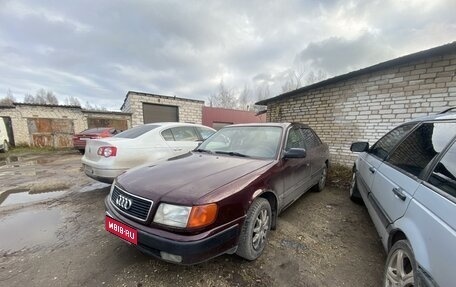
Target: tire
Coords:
[(81, 151), (257, 224), (400, 268), (354, 194), (322, 181), (5, 146)]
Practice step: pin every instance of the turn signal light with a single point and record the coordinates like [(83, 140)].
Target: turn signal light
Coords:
[(202, 215), (107, 151)]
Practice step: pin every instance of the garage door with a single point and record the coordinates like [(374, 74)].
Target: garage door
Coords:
[(50, 132), (160, 113), (105, 122)]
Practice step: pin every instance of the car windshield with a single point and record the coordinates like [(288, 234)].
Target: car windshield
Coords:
[(136, 131), (244, 141)]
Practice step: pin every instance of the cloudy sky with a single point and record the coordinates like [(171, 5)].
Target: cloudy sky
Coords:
[(98, 50)]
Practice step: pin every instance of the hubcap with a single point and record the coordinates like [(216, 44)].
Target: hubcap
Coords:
[(260, 230), (399, 271)]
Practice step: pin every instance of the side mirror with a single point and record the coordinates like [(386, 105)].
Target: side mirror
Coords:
[(359, 147), (295, 153)]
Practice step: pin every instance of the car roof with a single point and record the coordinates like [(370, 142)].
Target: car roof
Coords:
[(168, 124), (446, 115), (272, 124)]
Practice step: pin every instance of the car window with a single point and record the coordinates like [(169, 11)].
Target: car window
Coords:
[(167, 135), (421, 146), (184, 134), (310, 138), (136, 131), (295, 139), (205, 133), (384, 145), (444, 174)]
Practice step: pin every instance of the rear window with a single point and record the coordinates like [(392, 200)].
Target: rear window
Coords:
[(94, 131), (136, 131)]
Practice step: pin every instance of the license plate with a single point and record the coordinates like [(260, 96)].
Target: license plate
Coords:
[(121, 230)]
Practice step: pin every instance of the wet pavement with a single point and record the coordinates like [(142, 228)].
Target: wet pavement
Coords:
[(52, 234)]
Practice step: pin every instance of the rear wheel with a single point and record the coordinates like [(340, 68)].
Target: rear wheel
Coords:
[(354, 194), (322, 181), (400, 267), (5, 146), (255, 230)]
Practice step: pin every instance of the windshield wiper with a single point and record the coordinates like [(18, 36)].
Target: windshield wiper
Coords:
[(232, 153), (203, 150)]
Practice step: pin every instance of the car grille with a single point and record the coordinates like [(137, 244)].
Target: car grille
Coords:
[(139, 208)]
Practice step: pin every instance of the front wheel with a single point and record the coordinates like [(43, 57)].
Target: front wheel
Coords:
[(400, 267), (255, 230), (354, 194)]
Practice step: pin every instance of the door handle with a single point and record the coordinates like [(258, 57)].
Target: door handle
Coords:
[(372, 169), (399, 192)]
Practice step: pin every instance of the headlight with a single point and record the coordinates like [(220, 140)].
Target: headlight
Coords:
[(186, 216), (172, 215)]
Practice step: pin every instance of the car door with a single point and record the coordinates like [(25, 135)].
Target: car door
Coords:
[(316, 153), (296, 171), (397, 179), (369, 162), (181, 139), (433, 210)]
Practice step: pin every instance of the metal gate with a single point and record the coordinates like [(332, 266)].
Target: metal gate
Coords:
[(50, 132), (153, 113)]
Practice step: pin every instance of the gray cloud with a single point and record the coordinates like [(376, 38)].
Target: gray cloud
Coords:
[(98, 50)]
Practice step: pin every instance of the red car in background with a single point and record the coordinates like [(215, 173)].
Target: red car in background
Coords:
[(79, 140)]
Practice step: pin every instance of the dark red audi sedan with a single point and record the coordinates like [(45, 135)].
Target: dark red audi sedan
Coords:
[(223, 197)]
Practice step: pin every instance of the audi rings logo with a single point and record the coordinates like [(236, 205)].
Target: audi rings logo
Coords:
[(124, 202)]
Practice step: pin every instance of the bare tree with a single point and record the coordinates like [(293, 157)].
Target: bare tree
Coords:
[(224, 98), (8, 100), (72, 101), (315, 78), (93, 107), (42, 97), (245, 102), (294, 80)]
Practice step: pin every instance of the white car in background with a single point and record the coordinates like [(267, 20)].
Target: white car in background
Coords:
[(105, 159)]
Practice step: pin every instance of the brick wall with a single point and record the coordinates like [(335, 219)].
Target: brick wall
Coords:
[(190, 111), (365, 107)]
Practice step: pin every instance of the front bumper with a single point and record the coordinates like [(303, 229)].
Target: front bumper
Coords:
[(193, 249)]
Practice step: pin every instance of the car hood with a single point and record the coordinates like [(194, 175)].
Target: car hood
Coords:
[(186, 178)]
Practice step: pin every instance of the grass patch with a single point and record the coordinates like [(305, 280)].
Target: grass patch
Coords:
[(25, 150), (340, 176)]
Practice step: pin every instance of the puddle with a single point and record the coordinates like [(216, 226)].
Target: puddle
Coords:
[(15, 196), (93, 186), (29, 228)]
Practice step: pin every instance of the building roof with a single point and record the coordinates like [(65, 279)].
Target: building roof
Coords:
[(444, 49), (157, 96), (105, 112), (47, 105)]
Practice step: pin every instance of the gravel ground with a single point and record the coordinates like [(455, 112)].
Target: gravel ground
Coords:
[(52, 234)]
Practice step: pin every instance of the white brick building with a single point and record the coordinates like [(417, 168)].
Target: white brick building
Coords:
[(365, 104)]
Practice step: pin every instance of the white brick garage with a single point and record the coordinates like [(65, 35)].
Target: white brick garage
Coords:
[(365, 104), (146, 108)]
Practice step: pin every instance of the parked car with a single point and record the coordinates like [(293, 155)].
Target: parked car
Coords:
[(407, 181), (223, 197), (105, 159), (80, 139), (4, 140)]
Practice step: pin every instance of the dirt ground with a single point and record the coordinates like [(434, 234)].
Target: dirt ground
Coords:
[(52, 234)]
